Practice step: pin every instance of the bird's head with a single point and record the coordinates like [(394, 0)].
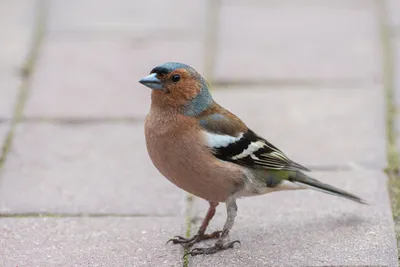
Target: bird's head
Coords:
[(178, 85)]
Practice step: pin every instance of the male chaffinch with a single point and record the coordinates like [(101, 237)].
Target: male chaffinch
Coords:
[(207, 151)]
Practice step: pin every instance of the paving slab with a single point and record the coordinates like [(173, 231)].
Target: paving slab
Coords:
[(100, 168), (396, 60), (89, 242), (318, 127), (393, 8), (309, 228), (16, 20), (10, 85), (95, 78), (16, 24), (134, 18), (4, 128), (298, 40)]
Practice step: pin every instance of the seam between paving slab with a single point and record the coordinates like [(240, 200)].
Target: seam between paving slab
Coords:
[(278, 84), (80, 215), (90, 33), (388, 67), (388, 84), (211, 39), (83, 121), (26, 72)]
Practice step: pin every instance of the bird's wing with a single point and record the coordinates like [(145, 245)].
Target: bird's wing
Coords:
[(230, 140)]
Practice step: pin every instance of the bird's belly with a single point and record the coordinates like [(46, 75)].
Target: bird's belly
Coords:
[(254, 187), (192, 167)]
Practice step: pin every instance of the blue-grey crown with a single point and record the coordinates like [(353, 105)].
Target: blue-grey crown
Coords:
[(171, 66)]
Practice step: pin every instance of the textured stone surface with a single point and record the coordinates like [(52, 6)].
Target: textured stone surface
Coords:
[(394, 13), (4, 127), (317, 127), (396, 50), (308, 228), (10, 85), (95, 78), (311, 40), (89, 242), (84, 169), (136, 18), (16, 20)]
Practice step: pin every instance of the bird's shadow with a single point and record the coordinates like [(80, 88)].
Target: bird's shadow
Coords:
[(326, 223), (301, 233)]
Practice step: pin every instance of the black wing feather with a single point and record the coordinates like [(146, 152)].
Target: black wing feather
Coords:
[(265, 155)]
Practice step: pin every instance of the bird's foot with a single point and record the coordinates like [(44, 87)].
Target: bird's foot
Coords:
[(189, 242), (211, 250)]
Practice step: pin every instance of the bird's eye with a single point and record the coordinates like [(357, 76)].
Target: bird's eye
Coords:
[(176, 78)]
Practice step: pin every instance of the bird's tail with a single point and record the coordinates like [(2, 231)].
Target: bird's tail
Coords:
[(301, 178)]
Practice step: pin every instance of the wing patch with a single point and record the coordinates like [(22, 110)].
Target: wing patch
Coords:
[(250, 150)]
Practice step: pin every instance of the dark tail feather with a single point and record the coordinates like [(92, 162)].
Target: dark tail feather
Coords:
[(297, 166), (315, 184)]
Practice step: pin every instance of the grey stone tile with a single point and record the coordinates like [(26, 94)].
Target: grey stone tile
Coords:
[(135, 18), (396, 60), (10, 85), (95, 78), (89, 242), (16, 21), (309, 228), (101, 168), (394, 12), (4, 128), (316, 127), (298, 40), (396, 50)]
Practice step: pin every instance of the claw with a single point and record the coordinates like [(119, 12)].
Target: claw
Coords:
[(189, 242), (211, 250), (169, 240), (177, 240), (234, 242)]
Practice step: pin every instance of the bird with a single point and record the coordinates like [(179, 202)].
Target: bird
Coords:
[(209, 152)]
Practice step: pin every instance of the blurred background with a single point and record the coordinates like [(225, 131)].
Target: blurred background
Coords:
[(308, 75)]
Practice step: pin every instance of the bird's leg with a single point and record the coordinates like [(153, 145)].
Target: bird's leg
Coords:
[(221, 244), (201, 235)]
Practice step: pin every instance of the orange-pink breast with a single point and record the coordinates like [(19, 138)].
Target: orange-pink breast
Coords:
[(177, 150)]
